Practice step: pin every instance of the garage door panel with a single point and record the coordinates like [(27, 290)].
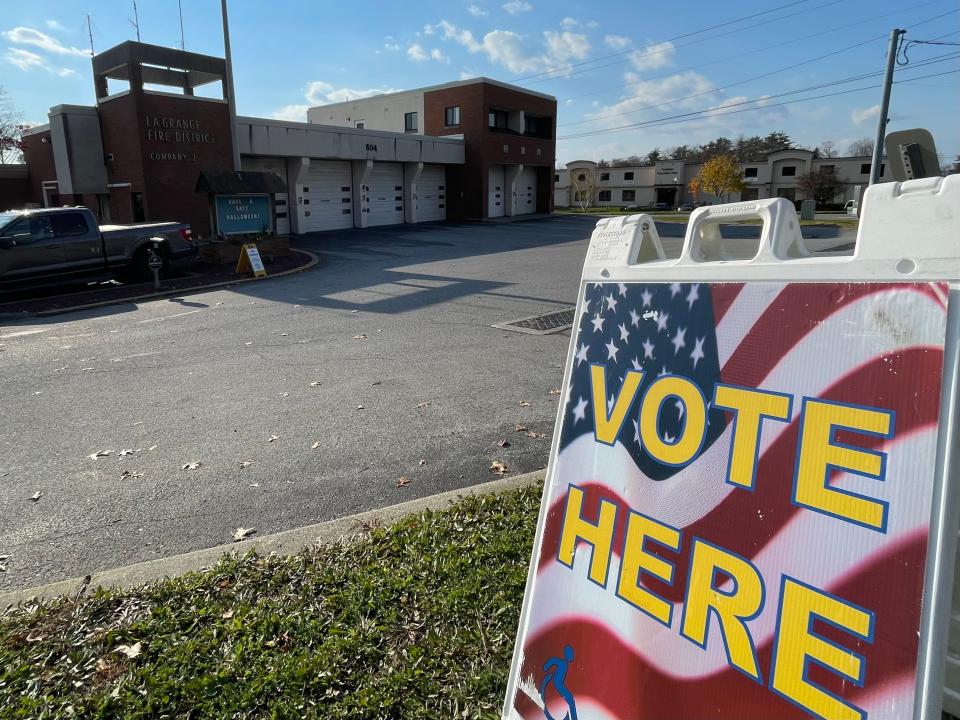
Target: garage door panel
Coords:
[(526, 189), (431, 194), (326, 196), (384, 191)]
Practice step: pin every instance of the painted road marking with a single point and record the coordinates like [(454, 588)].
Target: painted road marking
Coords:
[(167, 317), (25, 332)]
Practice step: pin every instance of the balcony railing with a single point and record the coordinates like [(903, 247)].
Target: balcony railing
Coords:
[(509, 131)]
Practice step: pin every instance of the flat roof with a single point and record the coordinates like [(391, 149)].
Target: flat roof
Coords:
[(442, 86)]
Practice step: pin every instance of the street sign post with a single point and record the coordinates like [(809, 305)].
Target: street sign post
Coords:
[(748, 511)]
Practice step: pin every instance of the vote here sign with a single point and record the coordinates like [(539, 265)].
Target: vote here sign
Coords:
[(736, 518)]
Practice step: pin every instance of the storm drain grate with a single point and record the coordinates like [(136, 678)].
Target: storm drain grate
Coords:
[(543, 324)]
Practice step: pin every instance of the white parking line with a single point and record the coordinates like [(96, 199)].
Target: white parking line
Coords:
[(25, 332), (167, 317), (129, 357)]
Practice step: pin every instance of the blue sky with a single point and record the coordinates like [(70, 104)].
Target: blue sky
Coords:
[(609, 64)]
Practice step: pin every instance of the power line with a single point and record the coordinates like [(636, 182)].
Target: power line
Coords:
[(716, 112), (677, 37), (817, 34)]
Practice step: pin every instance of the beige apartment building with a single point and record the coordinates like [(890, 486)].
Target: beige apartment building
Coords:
[(667, 181)]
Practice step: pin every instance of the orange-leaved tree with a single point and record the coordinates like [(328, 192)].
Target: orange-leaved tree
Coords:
[(719, 176)]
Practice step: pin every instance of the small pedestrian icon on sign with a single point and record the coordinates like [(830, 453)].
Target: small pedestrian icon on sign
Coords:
[(556, 674)]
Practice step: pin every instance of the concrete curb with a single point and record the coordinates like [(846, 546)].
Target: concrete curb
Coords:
[(288, 542), (314, 259)]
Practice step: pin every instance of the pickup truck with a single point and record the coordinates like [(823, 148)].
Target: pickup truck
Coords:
[(55, 245)]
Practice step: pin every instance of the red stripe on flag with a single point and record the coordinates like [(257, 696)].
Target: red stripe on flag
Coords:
[(608, 670), (722, 296)]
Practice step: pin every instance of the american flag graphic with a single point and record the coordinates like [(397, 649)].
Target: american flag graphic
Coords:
[(871, 344)]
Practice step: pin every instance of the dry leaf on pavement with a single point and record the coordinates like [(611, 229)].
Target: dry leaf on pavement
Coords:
[(532, 434), (315, 445), (246, 463), (273, 438), (403, 481), (3, 562), (130, 451), (521, 428), (503, 443), (36, 496), (242, 533), (555, 391), (423, 461), (315, 383), (360, 407), (361, 336), (524, 403), (100, 453), (131, 651), (191, 465), (498, 468), (422, 405)]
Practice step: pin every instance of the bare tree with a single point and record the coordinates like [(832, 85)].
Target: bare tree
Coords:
[(11, 130), (583, 183), (861, 148), (828, 149)]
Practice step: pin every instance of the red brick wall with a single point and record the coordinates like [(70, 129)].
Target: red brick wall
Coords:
[(38, 155), (483, 148), (15, 192), (157, 162)]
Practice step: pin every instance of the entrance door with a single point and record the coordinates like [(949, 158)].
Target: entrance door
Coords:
[(431, 194), (668, 196), (326, 200), (526, 200), (495, 197), (385, 194)]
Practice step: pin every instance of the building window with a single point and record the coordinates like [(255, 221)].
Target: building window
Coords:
[(628, 195), (865, 168), (497, 119), (788, 171), (537, 127), (628, 176), (750, 172), (359, 124), (451, 116), (581, 177), (410, 122), (603, 196), (556, 178), (604, 176)]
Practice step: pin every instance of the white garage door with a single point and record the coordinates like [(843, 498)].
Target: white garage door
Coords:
[(384, 192), (431, 194), (495, 194), (526, 197), (327, 200)]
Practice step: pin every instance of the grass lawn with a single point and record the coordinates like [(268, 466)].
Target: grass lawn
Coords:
[(416, 620)]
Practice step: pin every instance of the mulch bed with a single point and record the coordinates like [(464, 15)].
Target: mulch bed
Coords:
[(64, 298)]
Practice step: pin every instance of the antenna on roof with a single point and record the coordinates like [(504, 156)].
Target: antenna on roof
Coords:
[(180, 9), (136, 20), (90, 33)]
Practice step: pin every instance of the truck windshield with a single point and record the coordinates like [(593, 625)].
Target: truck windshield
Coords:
[(6, 218)]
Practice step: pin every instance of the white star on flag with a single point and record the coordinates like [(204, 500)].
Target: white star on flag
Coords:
[(678, 340)]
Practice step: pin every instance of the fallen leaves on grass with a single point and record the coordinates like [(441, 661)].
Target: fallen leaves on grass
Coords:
[(242, 533), (191, 465), (403, 481), (498, 468), (131, 651)]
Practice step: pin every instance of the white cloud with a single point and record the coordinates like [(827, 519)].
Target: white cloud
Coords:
[(467, 75), (24, 59), (515, 7), (294, 113), (54, 25), (66, 72), (30, 36), (617, 42), (653, 56), (393, 46), (592, 24), (507, 49), (428, 29), (569, 22), (323, 93), (861, 115), (476, 10), (418, 54), (655, 97)]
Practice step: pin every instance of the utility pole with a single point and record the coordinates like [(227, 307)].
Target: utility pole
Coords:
[(136, 20), (183, 45), (231, 100), (90, 33), (884, 106)]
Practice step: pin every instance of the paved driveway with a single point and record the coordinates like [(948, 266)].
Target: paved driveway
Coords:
[(211, 377)]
